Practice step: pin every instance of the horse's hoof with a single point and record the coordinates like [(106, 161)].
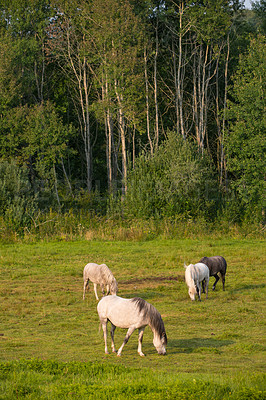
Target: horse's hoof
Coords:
[(142, 354), (118, 355)]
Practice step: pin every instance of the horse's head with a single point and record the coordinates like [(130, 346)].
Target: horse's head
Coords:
[(192, 292), (160, 343), (113, 287)]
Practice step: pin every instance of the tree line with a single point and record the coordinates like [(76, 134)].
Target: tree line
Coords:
[(152, 107)]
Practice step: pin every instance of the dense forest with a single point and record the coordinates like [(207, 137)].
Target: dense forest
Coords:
[(131, 109)]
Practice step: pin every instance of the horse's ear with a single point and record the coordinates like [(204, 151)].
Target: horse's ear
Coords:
[(185, 266)]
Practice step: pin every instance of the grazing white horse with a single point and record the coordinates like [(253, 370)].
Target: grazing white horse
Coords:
[(195, 274), (99, 275), (132, 314)]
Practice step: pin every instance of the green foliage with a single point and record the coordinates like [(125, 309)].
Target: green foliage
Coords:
[(176, 180), (9, 78), (245, 141), (37, 136), (211, 19), (259, 7), (62, 68), (17, 201), (36, 133)]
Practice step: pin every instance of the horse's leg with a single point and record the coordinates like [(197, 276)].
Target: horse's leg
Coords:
[(102, 287), (129, 333), (107, 289), (198, 287), (207, 287), (223, 280), (216, 280), (95, 291), (85, 286), (141, 332), (84, 289), (104, 326), (112, 337), (203, 286)]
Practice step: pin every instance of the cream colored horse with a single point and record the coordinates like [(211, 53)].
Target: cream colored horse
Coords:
[(132, 314), (195, 274), (99, 275)]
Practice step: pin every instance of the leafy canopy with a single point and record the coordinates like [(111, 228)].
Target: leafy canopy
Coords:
[(245, 141)]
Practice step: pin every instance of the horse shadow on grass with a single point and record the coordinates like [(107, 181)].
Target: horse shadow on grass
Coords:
[(197, 345), (249, 287)]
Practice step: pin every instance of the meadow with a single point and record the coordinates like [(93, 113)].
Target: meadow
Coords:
[(51, 346)]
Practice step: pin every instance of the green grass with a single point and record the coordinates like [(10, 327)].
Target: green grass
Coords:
[(51, 347)]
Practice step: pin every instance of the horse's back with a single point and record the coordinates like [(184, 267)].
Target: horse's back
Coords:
[(121, 312), (196, 272), (113, 302), (215, 264), (92, 271), (202, 270)]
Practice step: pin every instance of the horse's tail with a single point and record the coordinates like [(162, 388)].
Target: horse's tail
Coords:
[(224, 263)]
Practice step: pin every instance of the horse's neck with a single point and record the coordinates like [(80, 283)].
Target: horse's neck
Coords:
[(106, 273), (154, 331), (155, 322)]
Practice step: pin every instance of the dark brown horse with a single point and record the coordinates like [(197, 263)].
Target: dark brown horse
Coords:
[(216, 265)]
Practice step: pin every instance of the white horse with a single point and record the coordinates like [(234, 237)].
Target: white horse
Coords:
[(133, 314), (195, 274), (99, 275)]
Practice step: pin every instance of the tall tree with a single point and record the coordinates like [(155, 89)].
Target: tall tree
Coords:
[(245, 141), (259, 7), (36, 137), (116, 36), (10, 87), (26, 24), (68, 45)]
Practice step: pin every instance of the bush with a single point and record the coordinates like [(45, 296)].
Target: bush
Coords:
[(176, 180), (17, 202)]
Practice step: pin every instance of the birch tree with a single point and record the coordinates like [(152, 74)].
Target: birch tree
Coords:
[(116, 35), (68, 44)]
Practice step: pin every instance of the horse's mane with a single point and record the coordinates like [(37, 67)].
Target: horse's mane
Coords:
[(107, 274), (109, 278), (190, 272), (191, 276), (153, 315)]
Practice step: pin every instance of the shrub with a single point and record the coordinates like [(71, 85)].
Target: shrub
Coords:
[(176, 180), (17, 202)]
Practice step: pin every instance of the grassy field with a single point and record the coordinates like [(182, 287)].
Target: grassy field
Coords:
[(51, 346)]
